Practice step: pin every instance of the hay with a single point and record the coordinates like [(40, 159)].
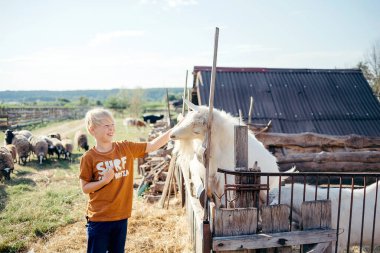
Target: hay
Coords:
[(150, 229)]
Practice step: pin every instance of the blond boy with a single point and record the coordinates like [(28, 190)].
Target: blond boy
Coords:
[(106, 175)]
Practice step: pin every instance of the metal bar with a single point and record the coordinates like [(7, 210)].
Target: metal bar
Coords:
[(374, 215), (346, 174), (349, 222), (361, 232), (338, 218)]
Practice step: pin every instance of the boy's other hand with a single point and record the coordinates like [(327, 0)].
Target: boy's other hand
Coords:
[(108, 175)]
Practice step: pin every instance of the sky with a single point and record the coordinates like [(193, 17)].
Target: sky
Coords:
[(93, 44)]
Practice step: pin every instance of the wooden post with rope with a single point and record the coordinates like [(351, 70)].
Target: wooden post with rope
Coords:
[(206, 222)]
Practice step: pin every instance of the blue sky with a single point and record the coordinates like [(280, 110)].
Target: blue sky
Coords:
[(77, 44)]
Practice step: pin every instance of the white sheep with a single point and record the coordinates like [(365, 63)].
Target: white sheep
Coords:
[(6, 163), (39, 146), (190, 133), (357, 210)]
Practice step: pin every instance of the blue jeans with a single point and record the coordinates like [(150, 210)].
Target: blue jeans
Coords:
[(106, 236)]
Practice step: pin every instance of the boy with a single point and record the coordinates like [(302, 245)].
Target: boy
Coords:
[(106, 175)]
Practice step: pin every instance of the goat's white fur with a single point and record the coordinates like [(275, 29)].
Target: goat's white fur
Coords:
[(357, 210), (190, 134)]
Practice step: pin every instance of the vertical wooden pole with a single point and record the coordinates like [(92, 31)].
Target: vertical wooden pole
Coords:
[(168, 105), (184, 95), (250, 110), (206, 223)]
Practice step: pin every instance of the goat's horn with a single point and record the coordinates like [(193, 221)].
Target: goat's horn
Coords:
[(191, 105)]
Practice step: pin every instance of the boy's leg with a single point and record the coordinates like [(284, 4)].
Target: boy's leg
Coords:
[(98, 237), (118, 236)]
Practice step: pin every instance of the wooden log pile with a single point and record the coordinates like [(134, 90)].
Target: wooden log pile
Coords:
[(154, 169), (312, 152)]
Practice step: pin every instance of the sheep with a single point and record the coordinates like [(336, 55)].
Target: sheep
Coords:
[(9, 134), (39, 146), (26, 133), (134, 122), (59, 149), (357, 210), (12, 149), (190, 133), (51, 147), (54, 135), (22, 147), (6, 163), (81, 140), (152, 118), (68, 147)]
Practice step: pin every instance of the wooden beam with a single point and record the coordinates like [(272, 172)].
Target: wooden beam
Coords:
[(318, 140), (322, 157), (262, 241)]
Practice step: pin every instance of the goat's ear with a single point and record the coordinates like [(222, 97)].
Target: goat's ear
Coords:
[(191, 105)]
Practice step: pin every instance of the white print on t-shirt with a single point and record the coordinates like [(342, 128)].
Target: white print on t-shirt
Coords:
[(118, 165)]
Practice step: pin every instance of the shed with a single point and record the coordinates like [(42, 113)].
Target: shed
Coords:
[(321, 119)]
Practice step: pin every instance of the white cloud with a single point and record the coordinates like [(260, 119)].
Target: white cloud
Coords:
[(102, 38)]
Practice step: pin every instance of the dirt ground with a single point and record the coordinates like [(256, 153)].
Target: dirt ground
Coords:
[(150, 229)]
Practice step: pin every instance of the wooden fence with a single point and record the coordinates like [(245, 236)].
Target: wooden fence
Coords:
[(20, 117)]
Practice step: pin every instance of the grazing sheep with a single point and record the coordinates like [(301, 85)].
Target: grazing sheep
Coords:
[(134, 122), (51, 147), (68, 146), (152, 118), (59, 149), (54, 135), (6, 163), (22, 147), (9, 134), (39, 146), (12, 149), (357, 210), (190, 134), (81, 140), (26, 133)]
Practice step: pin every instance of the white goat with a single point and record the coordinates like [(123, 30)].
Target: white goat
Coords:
[(191, 132), (357, 210)]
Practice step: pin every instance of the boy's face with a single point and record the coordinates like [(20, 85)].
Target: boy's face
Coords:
[(105, 131)]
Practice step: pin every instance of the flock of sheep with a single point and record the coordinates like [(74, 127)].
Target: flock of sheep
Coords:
[(20, 145)]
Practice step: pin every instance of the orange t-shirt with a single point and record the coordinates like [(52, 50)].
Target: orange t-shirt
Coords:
[(113, 201)]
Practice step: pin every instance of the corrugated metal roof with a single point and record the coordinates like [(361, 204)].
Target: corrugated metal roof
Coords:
[(326, 101)]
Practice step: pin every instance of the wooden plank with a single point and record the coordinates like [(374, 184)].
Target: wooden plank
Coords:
[(238, 221), (168, 180), (262, 241), (316, 215), (275, 219)]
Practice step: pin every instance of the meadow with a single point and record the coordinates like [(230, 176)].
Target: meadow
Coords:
[(42, 207)]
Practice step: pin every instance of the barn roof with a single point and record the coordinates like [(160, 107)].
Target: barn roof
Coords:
[(325, 101)]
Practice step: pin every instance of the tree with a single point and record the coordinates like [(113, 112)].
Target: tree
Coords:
[(371, 67), (83, 101)]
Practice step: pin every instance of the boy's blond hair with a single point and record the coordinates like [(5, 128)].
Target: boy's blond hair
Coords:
[(95, 117)]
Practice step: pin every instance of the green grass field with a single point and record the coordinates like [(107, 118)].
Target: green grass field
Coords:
[(41, 198)]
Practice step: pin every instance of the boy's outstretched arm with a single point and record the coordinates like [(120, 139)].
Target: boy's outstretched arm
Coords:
[(158, 142)]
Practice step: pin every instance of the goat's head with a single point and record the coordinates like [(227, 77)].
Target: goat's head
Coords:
[(194, 124)]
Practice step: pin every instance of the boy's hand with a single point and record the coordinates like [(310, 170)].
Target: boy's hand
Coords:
[(108, 175)]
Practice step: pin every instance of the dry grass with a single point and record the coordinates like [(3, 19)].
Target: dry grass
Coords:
[(150, 229)]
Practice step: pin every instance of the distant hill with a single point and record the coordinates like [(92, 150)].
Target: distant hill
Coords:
[(152, 94)]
